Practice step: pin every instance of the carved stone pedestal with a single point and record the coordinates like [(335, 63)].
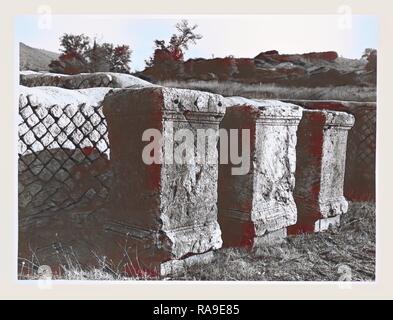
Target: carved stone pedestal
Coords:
[(164, 210), (259, 205), (321, 152)]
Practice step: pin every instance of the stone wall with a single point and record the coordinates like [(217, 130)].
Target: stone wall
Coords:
[(64, 166), (64, 175), (81, 81)]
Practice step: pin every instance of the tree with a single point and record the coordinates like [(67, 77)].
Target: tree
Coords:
[(73, 59), (371, 56), (120, 58), (75, 43), (170, 54), (80, 56), (99, 57), (179, 42)]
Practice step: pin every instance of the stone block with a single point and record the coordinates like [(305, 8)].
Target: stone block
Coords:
[(172, 267), (161, 211), (326, 223), (320, 170), (253, 205), (271, 238)]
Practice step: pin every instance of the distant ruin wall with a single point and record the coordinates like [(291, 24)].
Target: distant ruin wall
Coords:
[(81, 81)]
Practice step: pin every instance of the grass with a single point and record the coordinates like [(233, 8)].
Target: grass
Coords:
[(311, 257), (71, 269), (272, 91)]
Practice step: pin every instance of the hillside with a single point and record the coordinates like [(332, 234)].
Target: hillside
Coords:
[(35, 59), (311, 70)]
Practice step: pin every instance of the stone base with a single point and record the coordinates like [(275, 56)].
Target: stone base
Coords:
[(270, 238), (324, 224), (241, 232), (175, 266), (312, 215), (140, 252), (248, 234), (320, 169)]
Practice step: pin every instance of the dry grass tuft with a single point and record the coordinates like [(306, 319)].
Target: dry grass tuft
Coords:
[(71, 269), (311, 257), (271, 91)]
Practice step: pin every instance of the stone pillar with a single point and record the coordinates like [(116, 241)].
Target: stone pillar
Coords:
[(359, 182), (162, 211), (258, 207), (320, 171)]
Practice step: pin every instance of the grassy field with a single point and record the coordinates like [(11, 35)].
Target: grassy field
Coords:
[(271, 91), (313, 257)]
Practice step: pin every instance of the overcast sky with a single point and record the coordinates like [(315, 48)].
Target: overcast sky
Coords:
[(241, 36)]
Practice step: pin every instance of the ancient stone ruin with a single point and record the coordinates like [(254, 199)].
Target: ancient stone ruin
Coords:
[(260, 205), (320, 170), (85, 193), (314, 69), (81, 81), (64, 170), (168, 210)]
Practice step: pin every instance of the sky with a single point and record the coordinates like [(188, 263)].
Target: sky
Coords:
[(240, 36)]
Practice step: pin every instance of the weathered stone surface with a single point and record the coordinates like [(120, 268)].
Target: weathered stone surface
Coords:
[(320, 170), (260, 202), (326, 223), (81, 81), (271, 238), (161, 218), (275, 55), (314, 69), (172, 267), (51, 117), (359, 184), (164, 211)]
